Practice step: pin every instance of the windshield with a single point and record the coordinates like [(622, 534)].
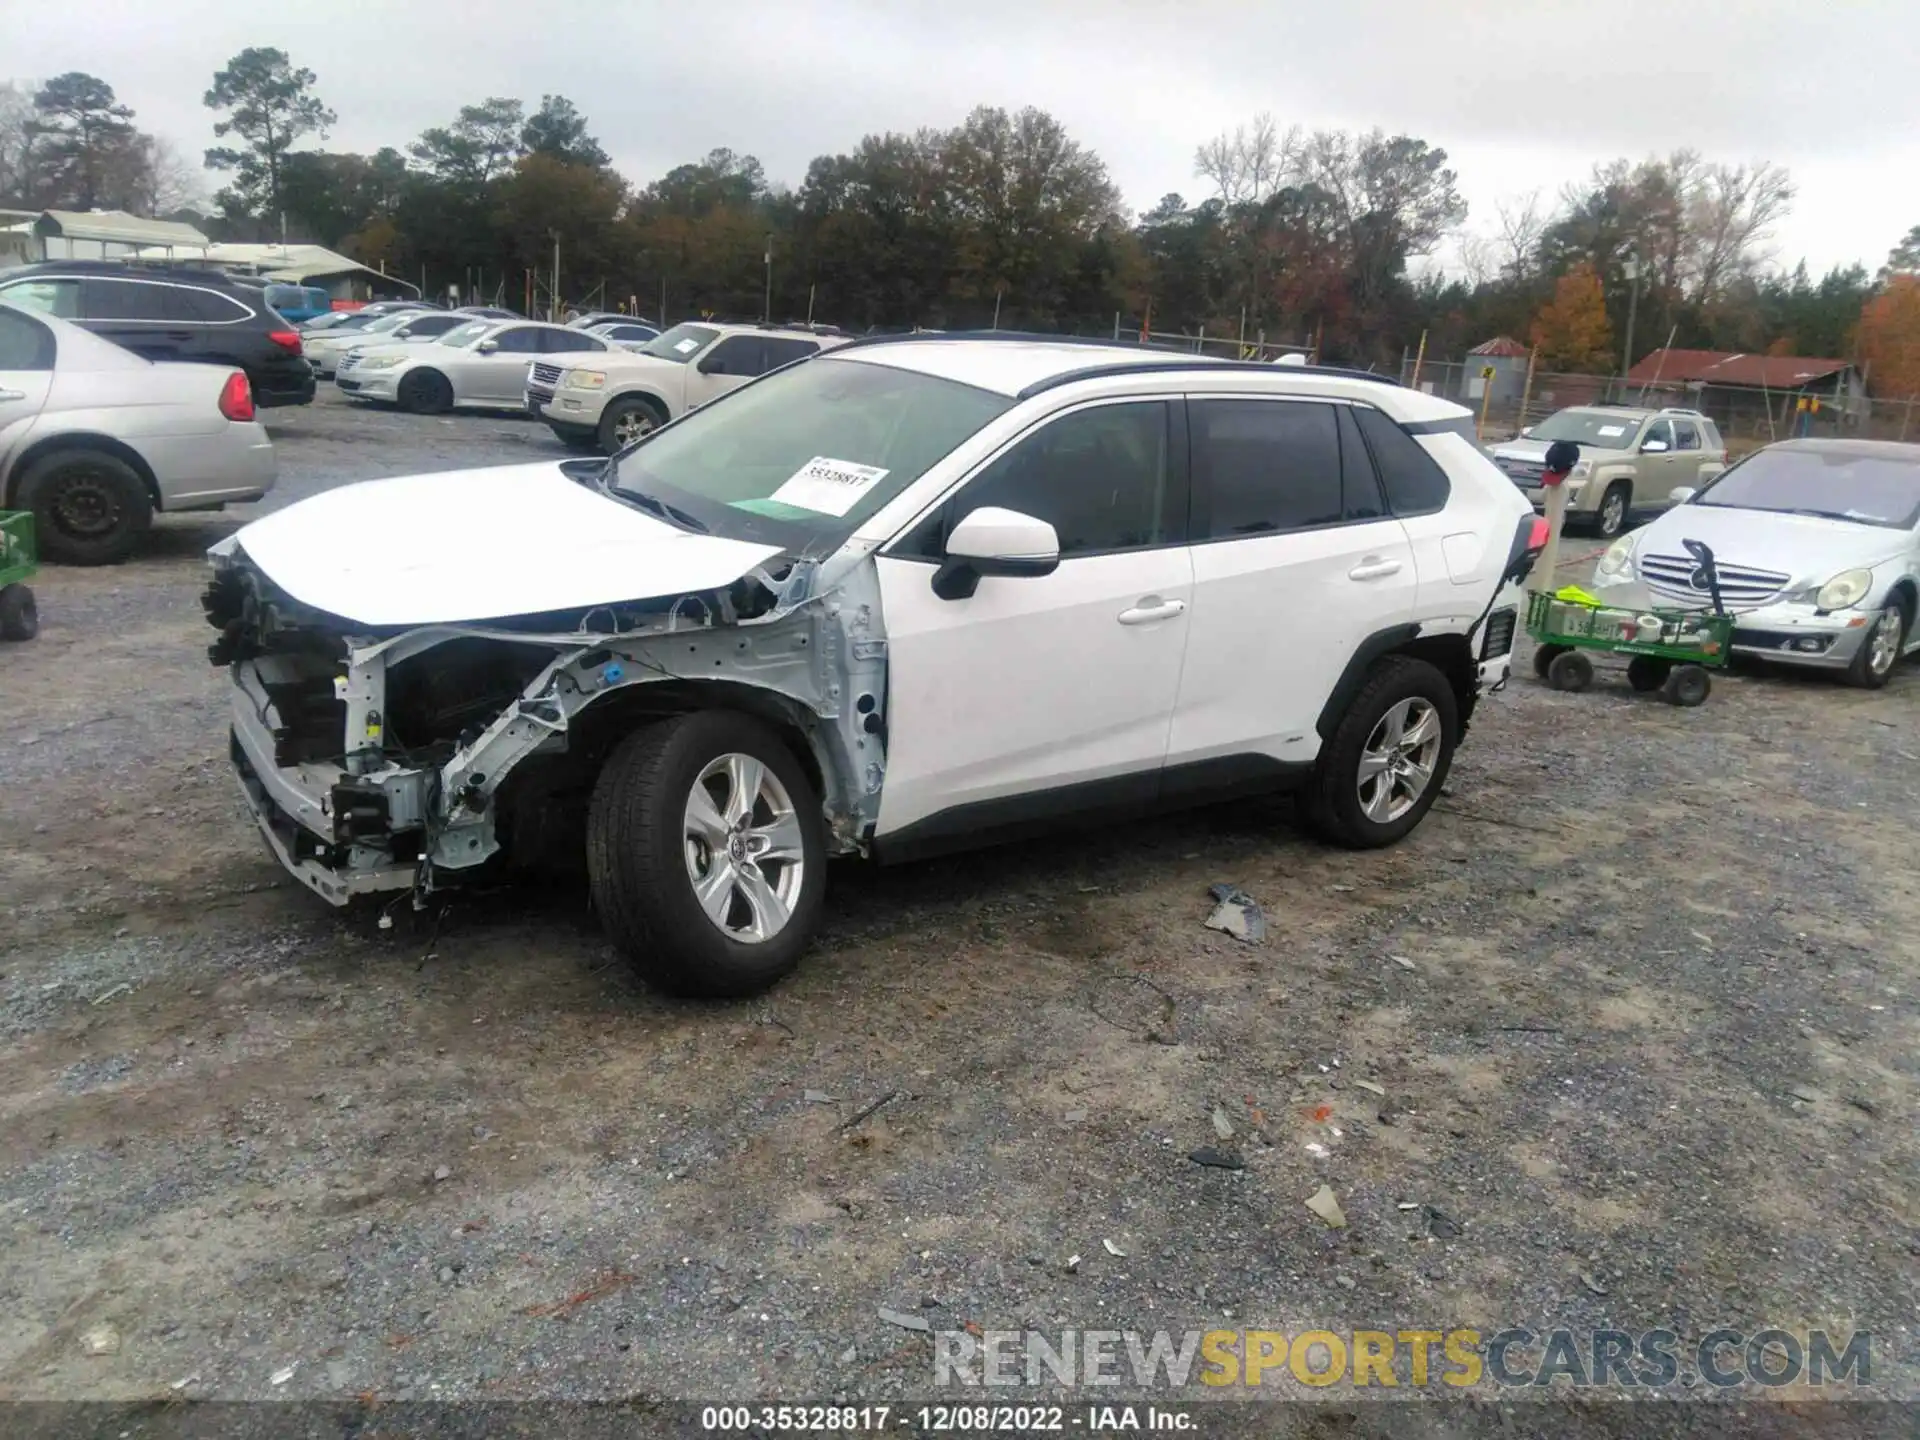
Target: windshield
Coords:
[(1839, 485), (1598, 428), (390, 322), (681, 343), (800, 458), (467, 333)]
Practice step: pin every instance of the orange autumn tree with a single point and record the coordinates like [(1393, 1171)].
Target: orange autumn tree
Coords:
[(1571, 329), (1889, 337)]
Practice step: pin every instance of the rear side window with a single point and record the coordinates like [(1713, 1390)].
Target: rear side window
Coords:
[(1685, 437), (123, 300), (24, 344), (522, 341), (1414, 482), (1264, 466)]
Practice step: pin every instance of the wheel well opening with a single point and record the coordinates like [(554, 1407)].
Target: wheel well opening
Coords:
[(602, 725), (102, 444), (1452, 656), (1903, 592)]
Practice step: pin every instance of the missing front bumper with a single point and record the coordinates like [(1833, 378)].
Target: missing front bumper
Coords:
[(333, 872)]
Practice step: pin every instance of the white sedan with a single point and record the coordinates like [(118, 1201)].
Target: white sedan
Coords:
[(480, 365), (1816, 545), (94, 440)]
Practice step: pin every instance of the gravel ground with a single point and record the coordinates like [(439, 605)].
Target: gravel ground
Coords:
[(1634, 1009)]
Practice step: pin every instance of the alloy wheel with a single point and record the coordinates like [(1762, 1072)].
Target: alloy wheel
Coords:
[(744, 848), (1613, 513), (1396, 764), (632, 425), (1885, 640)]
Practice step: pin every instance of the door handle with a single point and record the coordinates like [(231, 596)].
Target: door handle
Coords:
[(1152, 608), (1374, 568), (13, 394)]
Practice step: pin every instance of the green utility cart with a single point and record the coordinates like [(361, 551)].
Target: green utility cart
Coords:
[(1670, 651), (19, 616)]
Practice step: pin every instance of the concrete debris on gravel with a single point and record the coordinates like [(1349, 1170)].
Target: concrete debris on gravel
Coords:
[(1323, 1204), (1238, 914)]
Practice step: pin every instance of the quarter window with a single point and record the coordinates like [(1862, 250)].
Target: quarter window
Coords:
[(49, 297), (1414, 482), (1099, 476), (1265, 465)]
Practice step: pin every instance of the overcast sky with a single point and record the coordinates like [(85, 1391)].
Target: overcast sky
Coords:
[(1522, 94)]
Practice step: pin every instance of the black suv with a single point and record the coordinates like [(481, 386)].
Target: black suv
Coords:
[(172, 312)]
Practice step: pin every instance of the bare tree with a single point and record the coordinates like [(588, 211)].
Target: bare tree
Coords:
[(18, 178), (1252, 162), (1518, 224), (1730, 210)]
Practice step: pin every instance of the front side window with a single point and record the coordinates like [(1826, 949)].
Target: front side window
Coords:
[(1265, 466), (1659, 433), (736, 355), (801, 458), (1099, 476), (522, 340)]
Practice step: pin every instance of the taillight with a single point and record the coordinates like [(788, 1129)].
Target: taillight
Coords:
[(286, 339), (236, 397), (1537, 537)]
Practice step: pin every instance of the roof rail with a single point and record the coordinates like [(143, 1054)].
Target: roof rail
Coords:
[(1155, 358)]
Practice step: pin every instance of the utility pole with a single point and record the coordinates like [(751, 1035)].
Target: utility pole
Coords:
[(553, 307), (766, 310), (1631, 269)]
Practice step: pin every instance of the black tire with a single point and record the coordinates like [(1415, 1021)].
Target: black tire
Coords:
[(1572, 672), (19, 615), (89, 507), (640, 872), (634, 417), (1544, 656), (1863, 672), (1610, 515), (425, 392), (1647, 673), (1687, 686), (1332, 801)]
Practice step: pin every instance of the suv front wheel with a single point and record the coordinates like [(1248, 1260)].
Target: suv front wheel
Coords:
[(706, 854), (1383, 767)]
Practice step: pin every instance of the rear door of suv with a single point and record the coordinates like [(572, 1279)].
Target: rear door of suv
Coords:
[(1296, 561), (147, 317)]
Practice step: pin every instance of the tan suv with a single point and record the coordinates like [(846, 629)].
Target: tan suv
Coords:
[(1629, 460), (606, 402)]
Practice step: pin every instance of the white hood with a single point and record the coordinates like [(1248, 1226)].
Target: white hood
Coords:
[(474, 545), (1808, 548)]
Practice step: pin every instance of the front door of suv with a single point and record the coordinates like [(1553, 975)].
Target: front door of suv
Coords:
[(1295, 563), (1044, 693)]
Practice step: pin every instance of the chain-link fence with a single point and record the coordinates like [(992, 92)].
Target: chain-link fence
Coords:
[(1506, 396)]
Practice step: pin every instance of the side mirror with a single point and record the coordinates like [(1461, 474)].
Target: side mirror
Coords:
[(1525, 431), (487, 347), (1653, 447), (992, 541), (1681, 494), (713, 365)]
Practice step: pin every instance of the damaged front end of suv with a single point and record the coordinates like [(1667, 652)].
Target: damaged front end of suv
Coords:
[(393, 757)]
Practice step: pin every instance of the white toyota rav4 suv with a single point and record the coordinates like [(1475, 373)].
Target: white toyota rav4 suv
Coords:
[(910, 595)]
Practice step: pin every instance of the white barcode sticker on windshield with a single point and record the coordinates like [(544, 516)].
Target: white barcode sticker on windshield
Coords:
[(682, 347), (1613, 429), (832, 487)]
